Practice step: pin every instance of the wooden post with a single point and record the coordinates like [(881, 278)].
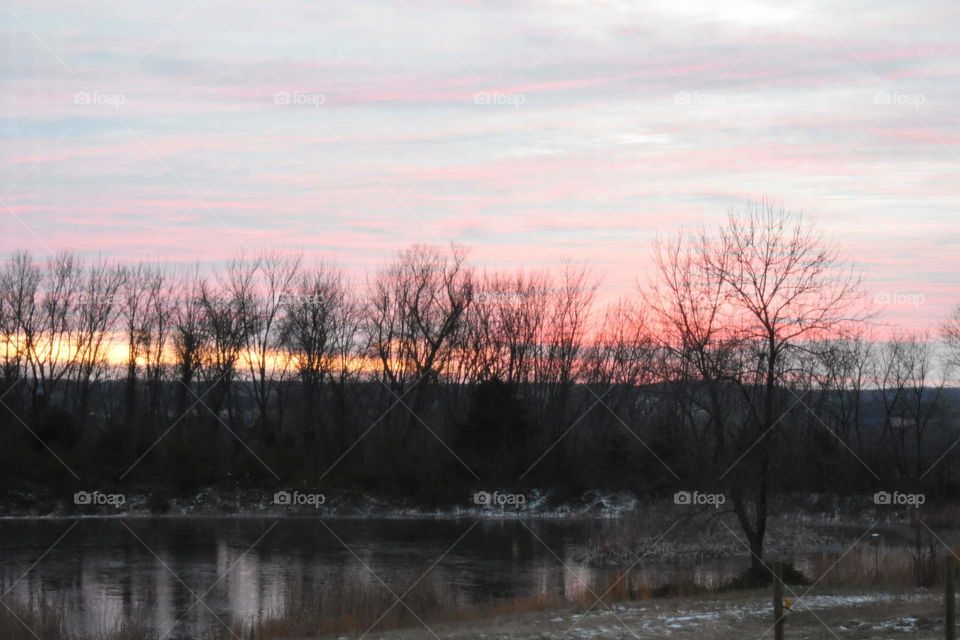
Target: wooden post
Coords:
[(950, 620), (778, 618)]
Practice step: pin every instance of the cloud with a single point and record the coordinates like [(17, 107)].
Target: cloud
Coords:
[(528, 131)]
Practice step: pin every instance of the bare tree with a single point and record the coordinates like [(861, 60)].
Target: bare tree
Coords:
[(190, 336), (137, 317), (415, 314), (623, 351), (258, 288), (19, 286), (845, 377), (739, 302), (506, 320), (891, 374), (225, 325), (912, 389), (415, 311), (350, 349), (160, 309), (950, 334), (146, 311), (93, 332), (49, 336), (312, 334)]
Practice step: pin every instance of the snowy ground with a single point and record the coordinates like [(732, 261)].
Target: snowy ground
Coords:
[(743, 616)]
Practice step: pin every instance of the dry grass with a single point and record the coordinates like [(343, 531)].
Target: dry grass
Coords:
[(337, 609), (27, 621), (341, 608), (38, 619), (886, 567)]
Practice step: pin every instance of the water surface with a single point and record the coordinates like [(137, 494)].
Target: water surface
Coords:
[(102, 571)]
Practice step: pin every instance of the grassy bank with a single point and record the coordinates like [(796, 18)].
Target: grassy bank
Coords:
[(824, 612)]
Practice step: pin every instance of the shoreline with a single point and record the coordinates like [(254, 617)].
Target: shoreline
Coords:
[(254, 503), (854, 612), (247, 515)]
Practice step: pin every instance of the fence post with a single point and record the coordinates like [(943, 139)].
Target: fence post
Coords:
[(950, 619), (778, 602)]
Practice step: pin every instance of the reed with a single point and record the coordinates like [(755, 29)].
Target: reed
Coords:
[(33, 619), (338, 609)]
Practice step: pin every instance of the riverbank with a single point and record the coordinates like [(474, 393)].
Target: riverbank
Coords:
[(826, 614), (633, 531), (28, 501)]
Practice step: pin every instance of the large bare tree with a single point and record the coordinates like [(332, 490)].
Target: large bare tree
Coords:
[(736, 304)]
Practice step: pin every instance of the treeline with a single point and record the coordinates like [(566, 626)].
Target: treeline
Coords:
[(749, 363)]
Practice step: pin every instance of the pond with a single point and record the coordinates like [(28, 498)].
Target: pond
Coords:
[(100, 571)]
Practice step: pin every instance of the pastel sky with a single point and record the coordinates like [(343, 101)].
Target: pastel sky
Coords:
[(530, 131)]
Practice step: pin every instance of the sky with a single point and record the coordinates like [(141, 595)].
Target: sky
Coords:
[(532, 132)]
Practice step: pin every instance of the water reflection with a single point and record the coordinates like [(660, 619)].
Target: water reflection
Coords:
[(188, 575)]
